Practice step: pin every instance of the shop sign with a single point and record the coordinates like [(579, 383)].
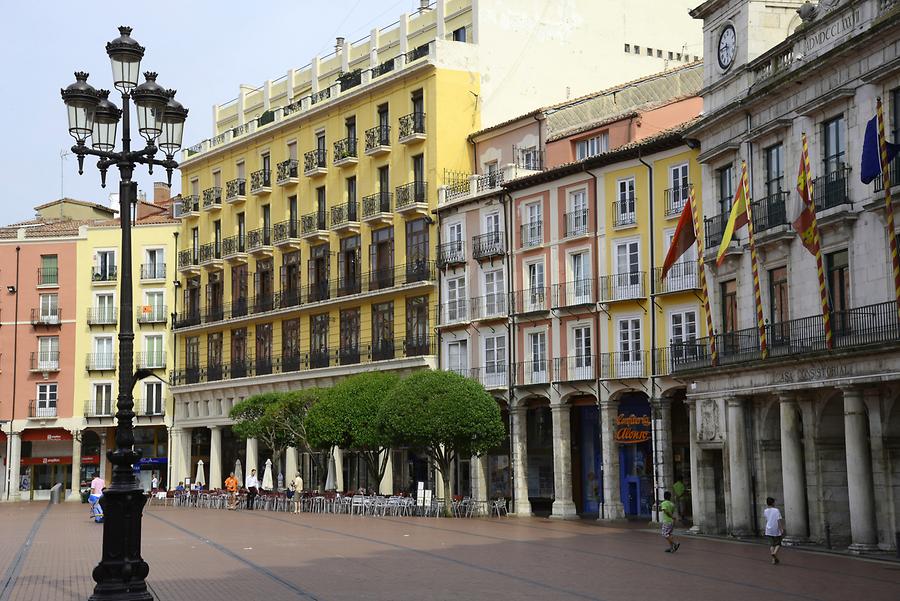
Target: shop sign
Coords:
[(90, 459), (632, 429), (153, 461), (51, 435), (46, 460)]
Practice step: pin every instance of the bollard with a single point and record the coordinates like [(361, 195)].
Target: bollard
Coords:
[(55, 494), (827, 535)]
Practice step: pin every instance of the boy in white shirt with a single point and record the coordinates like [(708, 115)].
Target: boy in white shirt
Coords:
[(774, 528)]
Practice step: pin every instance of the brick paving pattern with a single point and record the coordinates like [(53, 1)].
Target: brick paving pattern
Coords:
[(203, 555)]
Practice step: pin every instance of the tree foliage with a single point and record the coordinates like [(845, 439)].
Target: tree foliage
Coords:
[(444, 414)]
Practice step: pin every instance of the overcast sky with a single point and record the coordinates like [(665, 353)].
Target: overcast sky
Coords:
[(202, 48)]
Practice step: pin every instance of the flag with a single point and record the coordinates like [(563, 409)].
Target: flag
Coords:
[(870, 167), (736, 220), (684, 237), (805, 223)]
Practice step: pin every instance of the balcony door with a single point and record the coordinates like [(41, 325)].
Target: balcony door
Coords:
[(153, 398), (582, 363), (417, 342), (416, 250), (536, 371), (631, 359), (680, 182), (580, 287), (318, 267), (458, 357), (155, 352), (456, 299), (494, 293), (683, 337), (50, 308), (627, 280), (103, 352), (683, 274), (381, 258), (263, 348), (349, 336), (103, 400), (495, 361), (535, 295), (318, 341), (46, 400)]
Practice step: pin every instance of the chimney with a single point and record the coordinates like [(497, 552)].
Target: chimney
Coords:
[(338, 45), (161, 192)]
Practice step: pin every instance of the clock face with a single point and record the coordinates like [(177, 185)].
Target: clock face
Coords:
[(727, 47)]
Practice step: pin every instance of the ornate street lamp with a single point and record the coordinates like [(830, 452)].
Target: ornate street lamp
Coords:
[(121, 573)]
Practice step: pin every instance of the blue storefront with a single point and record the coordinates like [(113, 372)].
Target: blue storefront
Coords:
[(633, 435)]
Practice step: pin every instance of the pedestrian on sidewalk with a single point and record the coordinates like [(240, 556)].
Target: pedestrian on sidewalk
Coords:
[(297, 490), (774, 528), (97, 486), (679, 489), (252, 484), (231, 487), (668, 521), (154, 483)]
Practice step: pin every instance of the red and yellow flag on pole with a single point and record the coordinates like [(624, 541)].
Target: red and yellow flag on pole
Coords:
[(737, 219), (805, 224), (888, 204), (754, 263)]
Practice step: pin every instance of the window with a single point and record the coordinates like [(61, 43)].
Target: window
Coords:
[(46, 400), (492, 226), (240, 169), (383, 331), (774, 170), (103, 353), (48, 353), (456, 299), (459, 35), (895, 116), (529, 158), (417, 250), (290, 344), (725, 178), (320, 207), (535, 295), (153, 398), (418, 102), (192, 352), (533, 233), (577, 218), (217, 238), (494, 293), (155, 354), (241, 232), (592, 146), (318, 340), (833, 144), (683, 336), (195, 245), (50, 308), (384, 123), (417, 342), (649, 51), (155, 299), (729, 306), (495, 361), (349, 336), (381, 258), (102, 402), (217, 179), (578, 290), (837, 265), (154, 263), (627, 47), (458, 357), (536, 367), (195, 187), (624, 207), (348, 266), (778, 295), (49, 271), (683, 274), (631, 359), (627, 279), (581, 365), (214, 351), (266, 223), (104, 265), (659, 54), (637, 49), (350, 128), (454, 232), (292, 150), (263, 348), (681, 188), (266, 163)]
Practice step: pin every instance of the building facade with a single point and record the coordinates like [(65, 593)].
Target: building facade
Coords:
[(307, 247), (816, 427)]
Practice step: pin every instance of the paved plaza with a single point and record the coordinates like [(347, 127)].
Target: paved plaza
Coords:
[(47, 554)]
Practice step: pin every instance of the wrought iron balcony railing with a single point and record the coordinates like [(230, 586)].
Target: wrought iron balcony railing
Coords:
[(286, 230), (576, 292), (575, 368), (259, 238), (212, 198), (624, 212), (286, 171), (531, 300), (376, 204), (576, 223), (378, 137), (235, 189), (153, 271), (769, 212), (102, 316), (412, 125), (532, 234), (260, 181), (622, 286), (412, 193), (676, 198), (344, 214), (344, 150), (832, 189), (682, 276), (315, 160), (451, 253), (491, 244), (45, 361)]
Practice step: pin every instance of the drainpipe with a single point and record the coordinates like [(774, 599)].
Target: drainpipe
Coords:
[(506, 201), (652, 330), (596, 247), (12, 418)]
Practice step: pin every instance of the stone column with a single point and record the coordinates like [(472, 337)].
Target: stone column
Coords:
[(14, 465), (338, 469), (386, 486), (612, 508), (75, 493), (291, 468), (181, 447), (738, 468), (104, 463), (796, 514), (215, 457), (860, 484), (662, 450), (563, 505), (697, 500), (478, 473), (252, 458), (520, 460)]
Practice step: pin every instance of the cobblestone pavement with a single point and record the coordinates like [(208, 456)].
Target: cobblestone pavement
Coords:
[(202, 554)]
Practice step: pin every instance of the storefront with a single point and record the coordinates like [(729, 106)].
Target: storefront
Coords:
[(539, 440), (498, 465), (90, 457), (587, 459), (46, 461), (634, 440), (153, 443)]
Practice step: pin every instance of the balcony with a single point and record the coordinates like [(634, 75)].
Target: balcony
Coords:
[(382, 350), (377, 209), (878, 184), (490, 306), (412, 198), (239, 307), (236, 191), (211, 255), (488, 246), (314, 227), (682, 276), (624, 365), (45, 361), (262, 366), (149, 407), (41, 409), (832, 190), (289, 298), (189, 261), (102, 316), (101, 362), (531, 234), (315, 162), (153, 360), (575, 293), (287, 234), (47, 316), (259, 242), (261, 182), (451, 253), (99, 408), (535, 372), (234, 249), (263, 303), (678, 357), (153, 314), (214, 313), (770, 213), (622, 287), (153, 271), (190, 206), (532, 300), (345, 152), (576, 223), (240, 368), (575, 368), (623, 212), (286, 172), (676, 198), (48, 276), (412, 128), (378, 140), (212, 199), (345, 217), (453, 312), (715, 230), (104, 275), (191, 317), (492, 377)]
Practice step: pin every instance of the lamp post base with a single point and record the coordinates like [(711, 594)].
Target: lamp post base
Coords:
[(121, 573)]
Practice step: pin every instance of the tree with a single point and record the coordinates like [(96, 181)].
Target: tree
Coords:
[(446, 416), (262, 416), (292, 412)]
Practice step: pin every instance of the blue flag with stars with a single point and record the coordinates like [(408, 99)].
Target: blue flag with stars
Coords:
[(871, 153)]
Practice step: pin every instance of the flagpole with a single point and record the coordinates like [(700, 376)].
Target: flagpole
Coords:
[(754, 263), (888, 203), (808, 206), (704, 291)]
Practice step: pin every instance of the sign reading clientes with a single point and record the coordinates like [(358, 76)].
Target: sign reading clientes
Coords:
[(632, 429)]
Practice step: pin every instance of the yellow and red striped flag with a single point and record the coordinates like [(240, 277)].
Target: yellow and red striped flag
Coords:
[(754, 263), (736, 220)]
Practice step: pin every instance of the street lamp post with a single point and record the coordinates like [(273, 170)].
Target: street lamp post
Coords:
[(121, 573)]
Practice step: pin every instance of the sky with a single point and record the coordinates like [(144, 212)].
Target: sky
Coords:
[(202, 48)]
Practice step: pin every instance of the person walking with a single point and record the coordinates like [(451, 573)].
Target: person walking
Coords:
[(97, 486), (774, 528), (252, 485), (297, 489), (668, 521), (154, 483), (231, 487)]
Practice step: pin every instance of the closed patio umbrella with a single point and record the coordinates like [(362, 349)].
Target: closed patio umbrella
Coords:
[(239, 472), (329, 479), (267, 476), (201, 477)]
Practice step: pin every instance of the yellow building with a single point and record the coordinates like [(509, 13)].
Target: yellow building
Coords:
[(96, 344)]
